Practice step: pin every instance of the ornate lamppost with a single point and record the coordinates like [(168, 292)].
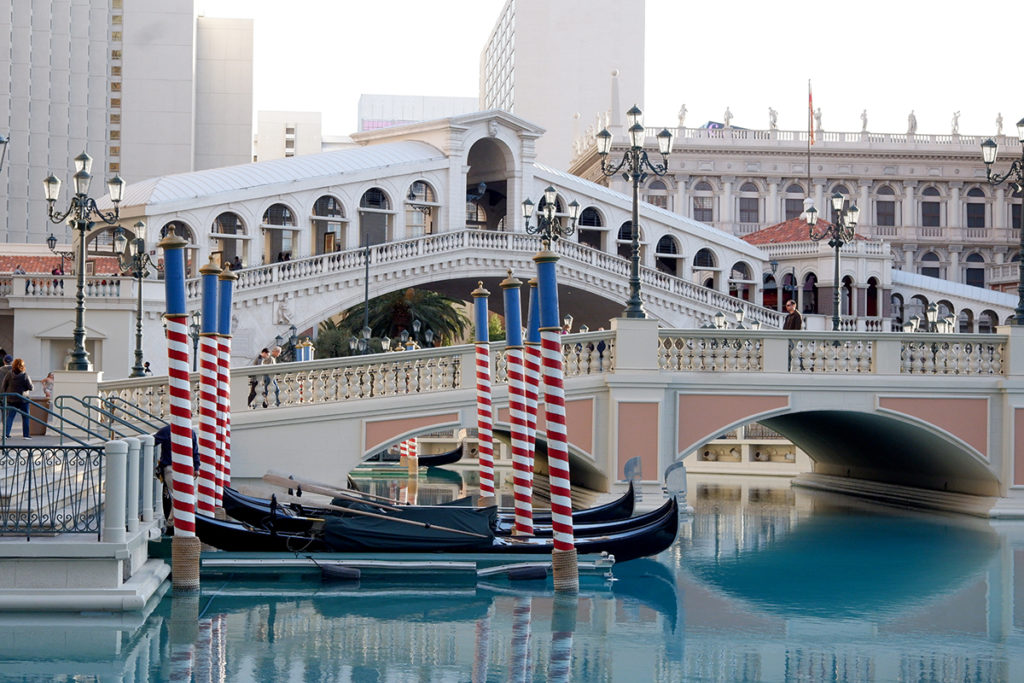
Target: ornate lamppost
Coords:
[(51, 242), (549, 224), (838, 232), (1015, 174), (82, 209), (637, 167), (133, 259), (195, 330)]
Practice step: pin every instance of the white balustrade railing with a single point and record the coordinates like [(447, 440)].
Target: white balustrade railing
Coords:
[(710, 351), (47, 286)]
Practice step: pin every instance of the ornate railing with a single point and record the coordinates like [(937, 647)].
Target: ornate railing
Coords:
[(51, 490), (835, 356), (717, 351), (37, 285), (587, 353), (948, 356)]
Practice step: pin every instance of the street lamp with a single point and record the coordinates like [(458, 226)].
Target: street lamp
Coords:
[(195, 330), (1015, 174), (549, 224), (838, 232), (133, 259), (428, 338), (51, 242), (931, 314), (637, 166), (83, 208)]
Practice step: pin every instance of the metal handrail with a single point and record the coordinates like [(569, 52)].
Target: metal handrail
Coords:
[(62, 404), (28, 410), (110, 401)]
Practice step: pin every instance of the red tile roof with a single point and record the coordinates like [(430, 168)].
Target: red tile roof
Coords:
[(793, 230), (105, 265)]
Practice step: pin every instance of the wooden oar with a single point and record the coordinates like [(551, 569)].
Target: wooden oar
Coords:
[(422, 525), (279, 479)]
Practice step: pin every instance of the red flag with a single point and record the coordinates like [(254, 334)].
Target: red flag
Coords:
[(810, 113)]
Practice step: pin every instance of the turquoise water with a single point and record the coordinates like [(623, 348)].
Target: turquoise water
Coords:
[(765, 583)]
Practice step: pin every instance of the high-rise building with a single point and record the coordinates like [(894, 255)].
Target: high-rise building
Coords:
[(145, 87), (283, 134), (550, 63), (384, 111)]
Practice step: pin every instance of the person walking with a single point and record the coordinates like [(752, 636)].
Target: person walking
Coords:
[(254, 380), (16, 384), (794, 321), (269, 380)]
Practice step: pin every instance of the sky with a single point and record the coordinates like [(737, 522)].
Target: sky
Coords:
[(886, 57)]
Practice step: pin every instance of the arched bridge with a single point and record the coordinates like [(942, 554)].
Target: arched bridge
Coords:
[(936, 419)]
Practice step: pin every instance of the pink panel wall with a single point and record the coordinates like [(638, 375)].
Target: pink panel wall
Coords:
[(702, 415), (379, 432), (638, 435), (965, 418)]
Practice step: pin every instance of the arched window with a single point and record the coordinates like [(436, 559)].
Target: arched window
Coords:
[(329, 225), (624, 241), (657, 194), (871, 305), (375, 217), (667, 257), (705, 258), (794, 201), (930, 265), (965, 321), (931, 208), (975, 207), (810, 293), (191, 251), (420, 209), (885, 209), (974, 273), (750, 207), (589, 228), (896, 302), (228, 238), (987, 322), (703, 202), (741, 281)]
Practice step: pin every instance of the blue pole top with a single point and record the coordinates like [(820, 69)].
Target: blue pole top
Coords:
[(480, 313), (533, 315), (174, 272), (513, 311), (208, 324), (227, 280), (547, 284)]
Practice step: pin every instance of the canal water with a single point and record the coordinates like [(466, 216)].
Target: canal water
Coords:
[(766, 582)]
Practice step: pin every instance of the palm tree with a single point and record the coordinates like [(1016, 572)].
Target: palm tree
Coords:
[(393, 313)]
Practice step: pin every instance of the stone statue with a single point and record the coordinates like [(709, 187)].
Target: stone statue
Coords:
[(911, 123), (956, 123), (817, 119), (284, 313), (682, 115), (728, 118), (999, 123), (773, 119), (492, 128), (864, 121)]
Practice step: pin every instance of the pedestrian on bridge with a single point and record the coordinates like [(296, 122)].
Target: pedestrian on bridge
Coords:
[(17, 385), (793, 321)]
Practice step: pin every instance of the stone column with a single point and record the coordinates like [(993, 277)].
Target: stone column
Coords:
[(999, 209), (953, 274), (819, 199), (908, 257), (683, 207), (866, 214), (772, 214), (953, 206), (909, 209), (726, 212)]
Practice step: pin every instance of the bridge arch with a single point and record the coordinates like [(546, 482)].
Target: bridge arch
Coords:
[(881, 443)]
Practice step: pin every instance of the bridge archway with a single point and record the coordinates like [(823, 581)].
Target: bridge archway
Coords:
[(491, 163), (883, 445)]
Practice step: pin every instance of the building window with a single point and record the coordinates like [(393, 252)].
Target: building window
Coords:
[(974, 274), (115, 135), (115, 102), (116, 19), (930, 265), (1015, 216), (114, 167), (115, 150), (115, 119), (116, 4), (794, 207), (115, 36), (749, 210), (657, 194), (115, 54), (115, 86), (975, 208), (930, 210), (885, 212), (115, 71)]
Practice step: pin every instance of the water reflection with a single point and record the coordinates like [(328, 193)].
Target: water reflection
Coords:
[(766, 583)]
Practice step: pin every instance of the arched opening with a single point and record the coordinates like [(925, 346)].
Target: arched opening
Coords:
[(490, 163), (930, 265), (705, 268), (741, 281), (656, 193), (810, 293), (376, 217), (330, 227), (794, 201), (279, 227), (885, 211), (898, 314), (974, 273), (228, 240), (846, 302), (931, 208), (182, 230), (667, 256), (974, 205), (590, 228), (703, 202), (770, 292), (749, 208), (917, 307), (965, 321), (871, 306), (624, 241), (421, 207), (987, 322)]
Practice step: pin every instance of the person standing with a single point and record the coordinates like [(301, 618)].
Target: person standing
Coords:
[(17, 384), (48, 385), (793, 321), (269, 380)]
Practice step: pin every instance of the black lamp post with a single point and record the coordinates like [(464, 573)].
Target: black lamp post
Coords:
[(3, 152), (83, 208), (1015, 174), (51, 242), (133, 259), (549, 224), (838, 232), (637, 166), (195, 330)]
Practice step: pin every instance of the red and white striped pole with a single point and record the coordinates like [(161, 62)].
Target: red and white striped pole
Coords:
[(484, 416), (522, 463), (519, 661), (206, 484), (185, 546), (563, 626), (403, 453), (226, 281), (565, 569), (532, 372)]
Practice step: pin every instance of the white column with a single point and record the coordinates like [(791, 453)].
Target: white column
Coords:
[(863, 205), (909, 205), (953, 275), (683, 206), (819, 199), (953, 206), (147, 463), (999, 209), (132, 479), (772, 213), (116, 453), (726, 212), (908, 257)]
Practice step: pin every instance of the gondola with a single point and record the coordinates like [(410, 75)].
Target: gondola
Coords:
[(294, 518), (264, 514), (372, 535), (436, 460)]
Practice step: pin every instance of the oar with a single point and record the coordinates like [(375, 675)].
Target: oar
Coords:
[(422, 525), (279, 479)]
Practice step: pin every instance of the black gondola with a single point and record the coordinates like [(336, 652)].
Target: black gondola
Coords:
[(357, 535), (264, 514), (435, 460)]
